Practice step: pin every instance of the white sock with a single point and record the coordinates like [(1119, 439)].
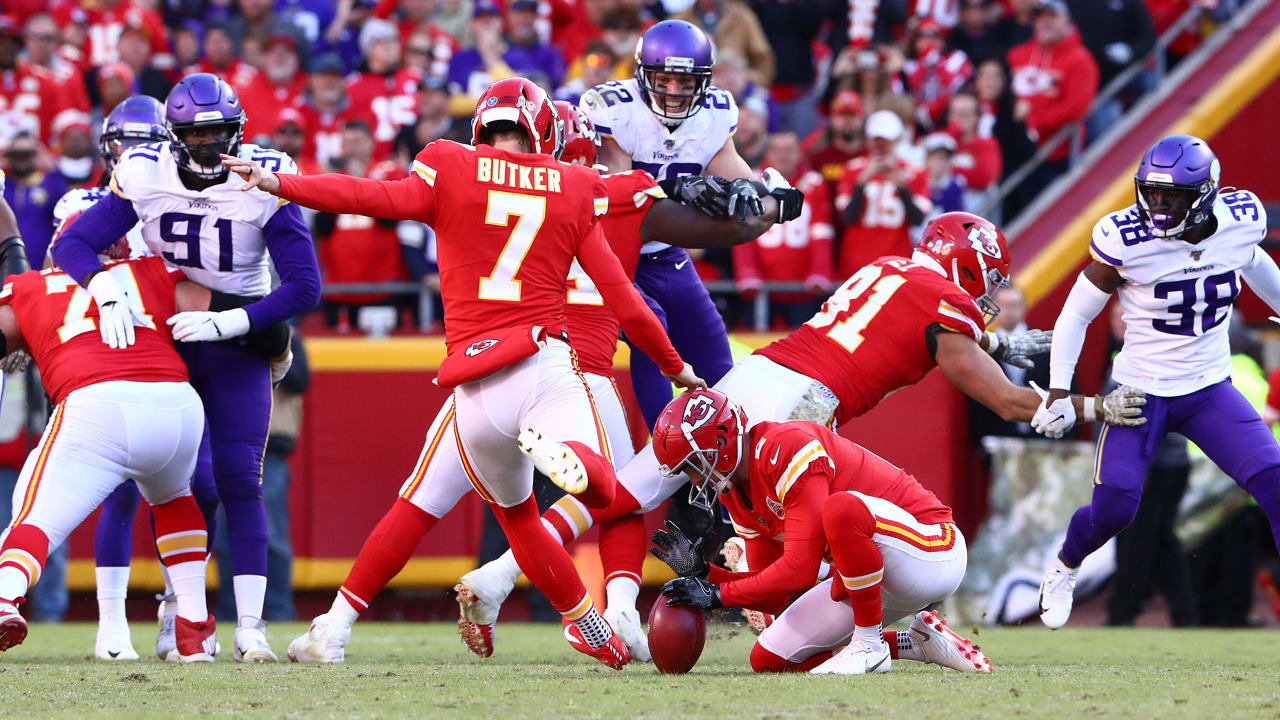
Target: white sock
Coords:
[(873, 634), (250, 593), (342, 612), (621, 592), (907, 647), (188, 589), (594, 629), (13, 583), (113, 587), (506, 566)]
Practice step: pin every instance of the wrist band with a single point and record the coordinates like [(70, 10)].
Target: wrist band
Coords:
[(1090, 410)]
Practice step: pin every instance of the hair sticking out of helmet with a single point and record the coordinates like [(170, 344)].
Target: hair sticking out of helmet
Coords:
[(138, 120), (205, 120), (969, 251), (519, 103), (581, 143), (1176, 184), (673, 67), (701, 432)]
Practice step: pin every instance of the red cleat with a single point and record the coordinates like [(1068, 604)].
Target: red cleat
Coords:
[(197, 642), (613, 653), (477, 620), (13, 627), (942, 646)]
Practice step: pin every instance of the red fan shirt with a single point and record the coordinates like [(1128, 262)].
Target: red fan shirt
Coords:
[(393, 99), (103, 26), (362, 250), (882, 228), (796, 251)]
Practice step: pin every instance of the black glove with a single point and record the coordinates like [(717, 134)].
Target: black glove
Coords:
[(676, 550), (691, 591), (790, 203), (704, 192), (743, 195)]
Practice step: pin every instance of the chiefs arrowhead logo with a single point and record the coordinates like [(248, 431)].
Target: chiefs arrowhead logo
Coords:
[(984, 240), (480, 346), (697, 413)]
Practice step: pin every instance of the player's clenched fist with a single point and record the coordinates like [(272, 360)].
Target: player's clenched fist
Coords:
[(255, 176)]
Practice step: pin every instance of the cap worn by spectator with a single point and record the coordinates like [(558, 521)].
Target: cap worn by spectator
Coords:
[(288, 116), (327, 63), (118, 71), (279, 37), (1056, 7), (884, 124), (939, 141), (376, 30), (847, 102), (486, 7), (530, 5)]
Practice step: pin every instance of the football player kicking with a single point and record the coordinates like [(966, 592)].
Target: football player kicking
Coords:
[(1175, 257), (510, 219), (638, 208), (884, 328), (119, 414), (195, 218), (800, 493)]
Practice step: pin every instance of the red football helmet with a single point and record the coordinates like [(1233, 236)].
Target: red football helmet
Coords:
[(581, 144), (972, 252), (522, 102), (118, 250), (703, 430)]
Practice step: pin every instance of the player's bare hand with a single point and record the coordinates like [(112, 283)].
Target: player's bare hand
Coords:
[(255, 176), (1123, 406), (688, 380)]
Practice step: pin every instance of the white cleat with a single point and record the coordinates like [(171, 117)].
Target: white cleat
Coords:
[(555, 460), (114, 643), (1057, 593), (167, 639), (626, 625), (480, 594), (941, 645), (324, 642), (251, 642), (861, 657)]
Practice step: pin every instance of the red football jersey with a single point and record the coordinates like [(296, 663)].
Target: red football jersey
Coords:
[(593, 329), (239, 75), (392, 98), (324, 130), (869, 338), (362, 250), (882, 229), (267, 100), (58, 322), (102, 27), (794, 468)]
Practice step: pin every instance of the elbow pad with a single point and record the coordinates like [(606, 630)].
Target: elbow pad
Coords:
[(13, 257)]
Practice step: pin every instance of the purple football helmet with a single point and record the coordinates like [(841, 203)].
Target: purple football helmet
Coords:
[(205, 119), (138, 120), (677, 48), (1176, 184)]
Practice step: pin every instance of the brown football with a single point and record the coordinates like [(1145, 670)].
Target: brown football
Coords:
[(676, 636)]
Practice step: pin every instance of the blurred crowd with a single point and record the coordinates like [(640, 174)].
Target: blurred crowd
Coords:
[(884, 111)]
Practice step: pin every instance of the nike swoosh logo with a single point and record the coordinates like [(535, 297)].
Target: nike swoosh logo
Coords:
[(681, 264), (573, 640), (113, 653), (1060, 417), (873, 667), (1106, 232), (774, 460)]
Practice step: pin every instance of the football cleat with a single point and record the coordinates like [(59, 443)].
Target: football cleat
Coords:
[(323, 642), (555, 460), (941, 645), (13, 627), (251, 642), (613, 653), (196, 642), (860, 657), (479, 599), (166, 641), (114, 643), (626, 625), (1057, 592)]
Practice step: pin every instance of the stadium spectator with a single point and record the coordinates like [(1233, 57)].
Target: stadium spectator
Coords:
[(76, 162), (433, 121), (325, 106), (312, 17), (1015, 27), (494, 57), (596, 66), (343, 35), (934, 74), (29, 98), (829, 149), (1117, 33), (221, 57), (977, 157), (41, 40), (454, 18), (620, 29), (290, 137), (428, 51), (975, 34), (946, 189), (731, 73), (113, 83), (995, 117), (870, 73), (258, 19), (186, 45), (32, 192), (94, 28), (134, 49), (278, 85), (734, 28), (792, 30), (798, 251), (752, 137), (383, 86), (880, 198)]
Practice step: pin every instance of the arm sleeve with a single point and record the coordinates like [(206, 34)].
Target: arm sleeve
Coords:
[(294, 258), (1264, 278), (106, 221), (410, 198), (801, 551), (1083, 304), (637, 320)]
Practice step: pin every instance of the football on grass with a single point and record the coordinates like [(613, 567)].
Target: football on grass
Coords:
[(676, 636)]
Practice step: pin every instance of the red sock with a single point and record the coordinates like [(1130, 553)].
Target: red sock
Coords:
[(386, 551), (849, 525), (25, 550), (543, 560), (891, 639), (602, 483), (623, 540), (763, 660), (181, 535)]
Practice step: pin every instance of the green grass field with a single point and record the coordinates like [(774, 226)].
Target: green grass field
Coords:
[(411, 670)]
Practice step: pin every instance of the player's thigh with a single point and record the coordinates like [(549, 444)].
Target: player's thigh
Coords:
[(166, 425), (1228, 429), (695, 326), (646, 483), (1124, 453), (562, 407), (810, 625), (613, 416), (438, 481), (487, 420), (235, 384), (767, 391)]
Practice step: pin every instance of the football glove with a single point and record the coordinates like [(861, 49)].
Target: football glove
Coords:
[(1053, 419), (675, 549), (115, 312), (704, 192), (209, 326), (1017, 349), (743, 196), (692, 591), (790, 203), (1123, 406), (280, 367), (16, 362)]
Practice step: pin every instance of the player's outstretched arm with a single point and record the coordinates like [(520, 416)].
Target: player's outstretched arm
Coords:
[(612, 156), (409, 198), (1264, 278), (678, 224), (976, 374)]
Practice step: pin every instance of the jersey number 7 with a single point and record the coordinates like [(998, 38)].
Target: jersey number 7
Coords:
[(76, 320), (529, 212)]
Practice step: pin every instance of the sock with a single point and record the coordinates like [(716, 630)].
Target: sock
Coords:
[(188, 589), (183, 544), (602, 483), (849, 525), (1109, 512), (342, 611), (568, 518), (624, 543), (113, 587), (593, 627), (22, 559), (902, 645), (869, 634), (544, 560), (763, 660), (250, 592), (385, 552), (621, 592)]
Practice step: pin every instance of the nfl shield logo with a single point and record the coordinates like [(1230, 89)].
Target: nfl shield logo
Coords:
[(1195, 255), (669, 144)]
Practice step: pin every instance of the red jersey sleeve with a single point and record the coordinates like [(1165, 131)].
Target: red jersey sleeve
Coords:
[(957, 312), (410, 198)]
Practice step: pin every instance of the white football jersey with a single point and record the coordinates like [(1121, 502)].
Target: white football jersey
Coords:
[(1177, 297), (213, 235), (80, 199), (617, 109)]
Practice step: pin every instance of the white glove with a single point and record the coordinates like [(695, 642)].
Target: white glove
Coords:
[(206, 326), (280, 367), (115, 312), (774, 180), (1053, 420), (1123, 406), (1017, 349), (16, 362)]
